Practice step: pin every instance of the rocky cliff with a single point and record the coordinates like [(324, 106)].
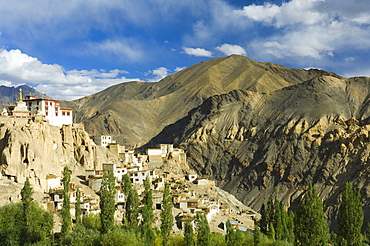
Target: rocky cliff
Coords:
[(33, 148), (258, 144)]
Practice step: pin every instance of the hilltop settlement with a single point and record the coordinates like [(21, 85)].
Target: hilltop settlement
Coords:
[(164, 164)]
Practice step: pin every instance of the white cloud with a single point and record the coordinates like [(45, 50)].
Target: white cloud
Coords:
[(229, 49), (124, 48), (18, 68), (197, 52), (178, 69), (159, 73), (295, 11)]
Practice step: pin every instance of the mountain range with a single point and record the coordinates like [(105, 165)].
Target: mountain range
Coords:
[(9, 95), (135, 112), (258, 129)]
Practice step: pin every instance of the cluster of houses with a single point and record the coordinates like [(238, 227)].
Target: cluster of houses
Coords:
[(190, 193)]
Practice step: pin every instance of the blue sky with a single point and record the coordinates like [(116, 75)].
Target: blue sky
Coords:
[(73, 48)]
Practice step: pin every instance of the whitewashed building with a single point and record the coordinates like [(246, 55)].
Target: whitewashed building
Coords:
[(51, 109)]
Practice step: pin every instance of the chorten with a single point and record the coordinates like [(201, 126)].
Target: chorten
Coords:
[(20, 108)]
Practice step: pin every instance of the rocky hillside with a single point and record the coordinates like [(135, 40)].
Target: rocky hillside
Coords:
[(256, 144), (135, 112), (36, 149), (9, 95)]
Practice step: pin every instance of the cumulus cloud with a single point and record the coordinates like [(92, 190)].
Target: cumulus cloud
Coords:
[(314, 29), (18, 68), (295, 11), (159, 73), (230, 49), (197, 52)]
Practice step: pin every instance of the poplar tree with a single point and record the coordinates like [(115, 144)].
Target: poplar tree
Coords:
[(26, 194), (265, 221), (256, 236), (202, 229), (147, 213), (166, 214), (78, 207), (350, 217), (107, 206), (232, 238), (310, 225), (66, 207), (189, 234), (131, 219)]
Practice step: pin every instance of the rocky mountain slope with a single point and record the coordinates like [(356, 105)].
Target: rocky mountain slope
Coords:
[(256, 128), (9, 95), (257, 144), (135, 112)]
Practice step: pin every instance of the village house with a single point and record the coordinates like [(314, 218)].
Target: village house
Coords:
[(51, 109), (103, 140), (57, 197), (52, 182)]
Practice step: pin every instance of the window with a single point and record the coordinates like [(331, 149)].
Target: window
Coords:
[(63, 113), (68, 113)]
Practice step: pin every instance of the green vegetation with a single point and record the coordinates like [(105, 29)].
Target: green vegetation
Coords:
[(132, 204), (311, 227), (202, 229), (78, 207), (25, 223), (166, 214), (107, 206), (66, 208), (189, 234), (147, 214), (350, 217)]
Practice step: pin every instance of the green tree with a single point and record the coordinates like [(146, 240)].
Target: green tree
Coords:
[(350, 216), (230, 237), (25, 223), (120, 237), (276, 222), (271, 232), (310, 225), (147, 213), (82, 236), (189, 234), (66, 207), (166, 214), (92, 221), (131, 219), (78, 207), (202, 229), (256, 235), (265, 220), (26, 194), (10, 227), (107, 206)]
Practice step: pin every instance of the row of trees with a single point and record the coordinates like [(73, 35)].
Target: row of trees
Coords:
[(307, 225), (25, 223)]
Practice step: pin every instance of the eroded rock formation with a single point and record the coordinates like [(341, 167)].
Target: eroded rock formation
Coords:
[(35, 149)]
